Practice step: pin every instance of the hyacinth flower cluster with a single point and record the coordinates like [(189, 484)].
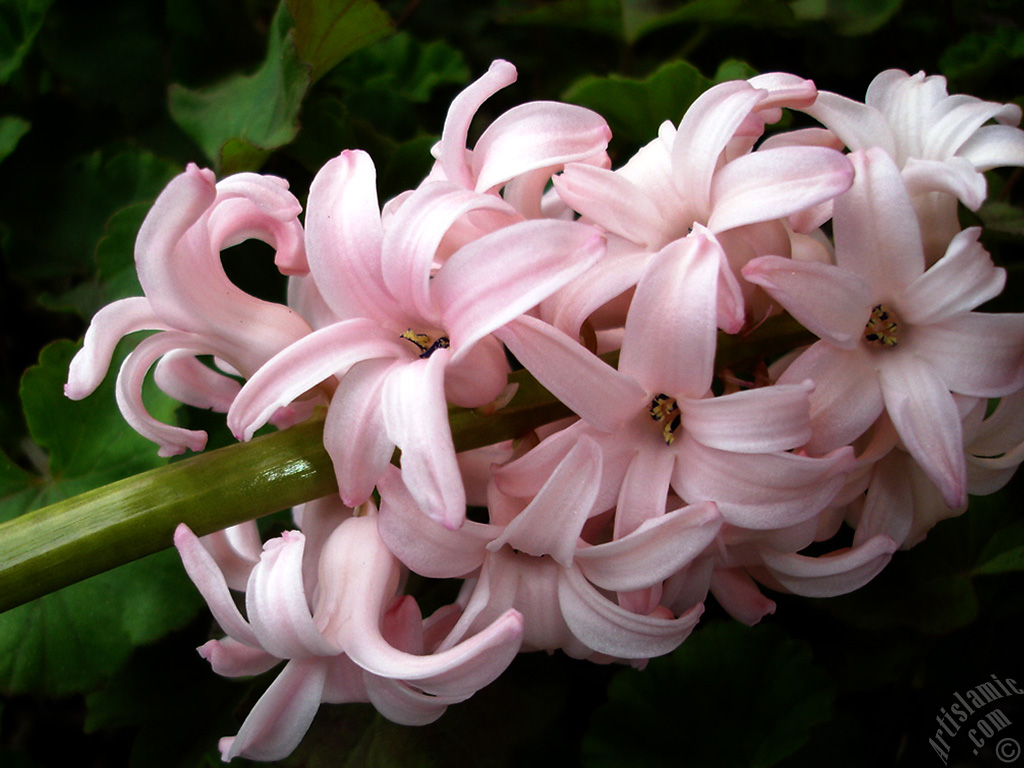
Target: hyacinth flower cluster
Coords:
[(682, 474)]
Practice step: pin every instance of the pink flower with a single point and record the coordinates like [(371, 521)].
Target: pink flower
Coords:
[(360, 641), (940, 143), (654, 420), (895, 336), (702, 173), (190, 300), (413, 334), (534, 559)]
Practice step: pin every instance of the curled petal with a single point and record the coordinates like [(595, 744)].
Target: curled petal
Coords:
[(738, 594), (539, 134), (609, 628), (324, 353), (834, 574), (994, 146), (209, 580), (597, 392), (416, 420), (611, 200), (276, 601), (976, 354), (451, 151), (282, 716), (955, 176), (957, 283), (230, 658), (653, 552)]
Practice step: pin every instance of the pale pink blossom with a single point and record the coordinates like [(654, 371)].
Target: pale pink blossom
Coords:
[(701, 173), (360, 642), (191, 301), (413, 335), (940, 143), (896, 337)]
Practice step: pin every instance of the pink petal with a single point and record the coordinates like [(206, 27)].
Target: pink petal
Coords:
[(416, 420), (738, 594), (282, 716), (414, 234), (761, 420), (354, 433), (994, 146), (876, 231), (108, 327), (451, 150), (209, 580), (831, 302), (539, 134), (344, 237), (609, 628), (846, 399), (612, 201), (834, 574), (597, 392), (759, 491), (367, 574), (776, 183), (954, 176), (644, 490), (857, 125), (671, 331), (498, 277), (276, 602), (230, 658), (328, 352), (924, 414), (552, 522), (653, 552), (128, 392), (975, 354), (705, 130), (957, 283), (424, 546)]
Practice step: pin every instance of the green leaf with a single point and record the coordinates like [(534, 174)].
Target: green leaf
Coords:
[(89, 189), (730, 696), (979, 55), (327, 32), (1002, 218), (11, 130), (847, 17), (69, 641), (241, 120), (20, 22), (635, 108)]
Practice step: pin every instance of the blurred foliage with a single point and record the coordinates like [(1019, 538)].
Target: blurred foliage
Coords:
[(102, 102)]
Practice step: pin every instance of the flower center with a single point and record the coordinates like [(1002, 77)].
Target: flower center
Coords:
[(882, 328), (665, 411), (426, 344)]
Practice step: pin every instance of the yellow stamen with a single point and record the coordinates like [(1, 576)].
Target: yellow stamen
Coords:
[(881, 328)]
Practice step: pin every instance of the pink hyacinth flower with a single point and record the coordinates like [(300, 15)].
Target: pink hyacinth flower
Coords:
[(895, 336), (193, 304), (413, 335)]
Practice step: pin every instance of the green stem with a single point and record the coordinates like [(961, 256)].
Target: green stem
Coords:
[(52, 547)]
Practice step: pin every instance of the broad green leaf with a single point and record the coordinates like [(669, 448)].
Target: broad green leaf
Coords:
[(239, 121), (977, 56), (630, 20), (1002, 218), (69, 641), (115, 277), (635, 108), (20, 22), (847, 17), (11, 130), (327, 32), (730, 697), (57, 240)]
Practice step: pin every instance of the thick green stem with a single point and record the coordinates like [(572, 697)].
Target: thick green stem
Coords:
[(50, 548)]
